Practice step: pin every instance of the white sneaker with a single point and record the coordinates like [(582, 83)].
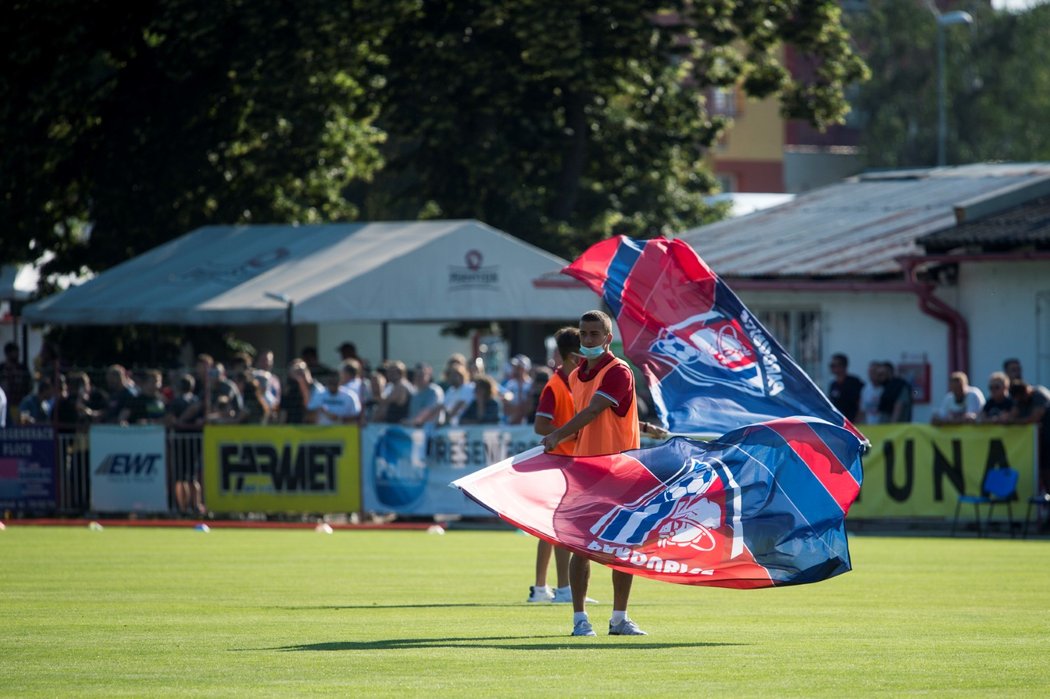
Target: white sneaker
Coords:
[(540, 594), (625, 628), (563, 595), (583, 628)]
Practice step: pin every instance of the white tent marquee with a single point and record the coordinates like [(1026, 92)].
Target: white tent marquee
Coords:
[(378, 272)]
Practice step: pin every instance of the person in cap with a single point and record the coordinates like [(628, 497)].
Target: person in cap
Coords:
[(515, 390)]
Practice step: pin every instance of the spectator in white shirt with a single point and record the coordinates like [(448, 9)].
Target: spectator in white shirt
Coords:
[(515, 390), (459, 394), (333, 405), (962, 403)]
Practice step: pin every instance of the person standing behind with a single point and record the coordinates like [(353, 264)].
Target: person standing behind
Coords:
[(35, 409), (555, 409), (318, 370), (256, 410), (1032, 406), (460, 391), (895, 401), (185, 415), (962, 403), (351, 380), (606, 422), (146, 407), (395, 396), (120, 391), (484, 409), (426, 404), (270, 384), (298, 391), (845, 389), (1012, 369), (15, 381), (515, 390), (179, 416), (871, 394), (999, 403), (334, 405)]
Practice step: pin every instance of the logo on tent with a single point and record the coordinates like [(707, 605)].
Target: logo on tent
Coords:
[(474, 275), (231, 272)]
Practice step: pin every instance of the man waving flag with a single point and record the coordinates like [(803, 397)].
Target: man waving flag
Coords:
[(763, 505)]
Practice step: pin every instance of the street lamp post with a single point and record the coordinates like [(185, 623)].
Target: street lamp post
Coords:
[(289, 328), (956, 17)]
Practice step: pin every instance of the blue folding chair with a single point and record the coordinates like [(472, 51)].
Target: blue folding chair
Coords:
[(1000, 486)]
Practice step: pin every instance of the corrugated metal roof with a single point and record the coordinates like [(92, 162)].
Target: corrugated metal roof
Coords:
[(1024, 226), (853, 228)]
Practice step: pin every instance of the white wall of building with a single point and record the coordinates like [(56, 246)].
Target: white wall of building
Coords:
[(1000, 300), (866, 327)]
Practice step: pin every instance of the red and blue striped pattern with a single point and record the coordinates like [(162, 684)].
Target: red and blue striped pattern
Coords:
[(762, 506)]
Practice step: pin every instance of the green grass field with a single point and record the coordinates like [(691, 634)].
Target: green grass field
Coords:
[(175, 612)]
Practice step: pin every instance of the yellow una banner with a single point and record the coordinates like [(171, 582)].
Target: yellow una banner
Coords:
[(282, 468), (920, 470)]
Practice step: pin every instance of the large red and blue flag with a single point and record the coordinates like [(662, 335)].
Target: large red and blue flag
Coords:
[(762, 506), (709, 363)]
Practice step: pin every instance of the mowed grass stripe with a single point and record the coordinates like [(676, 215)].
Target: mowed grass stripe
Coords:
[(175, 612)]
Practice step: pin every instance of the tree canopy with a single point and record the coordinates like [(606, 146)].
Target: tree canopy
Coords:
[(123, 130), (559, 122), (997, 74)]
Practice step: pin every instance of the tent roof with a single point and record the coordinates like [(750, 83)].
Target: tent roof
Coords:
[(396, 271)]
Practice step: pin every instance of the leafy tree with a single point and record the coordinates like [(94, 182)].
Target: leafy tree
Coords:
[(557, 121), (1004, 99), (563, 122), (997, 75), (123, 129)]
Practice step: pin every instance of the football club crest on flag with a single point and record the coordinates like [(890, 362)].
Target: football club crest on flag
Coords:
[(762, 506), (710, 364)]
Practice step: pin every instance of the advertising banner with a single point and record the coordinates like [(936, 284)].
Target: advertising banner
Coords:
[(128, 469), (282, 468), (27, 468), (920, 470), (408, 471)]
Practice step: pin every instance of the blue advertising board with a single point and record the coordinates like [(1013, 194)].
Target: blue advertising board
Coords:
[(27, 468)]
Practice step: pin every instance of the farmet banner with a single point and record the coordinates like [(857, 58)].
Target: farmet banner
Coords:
[(285, 468)]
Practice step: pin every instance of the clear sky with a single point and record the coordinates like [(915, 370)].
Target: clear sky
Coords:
[(1014, 4)]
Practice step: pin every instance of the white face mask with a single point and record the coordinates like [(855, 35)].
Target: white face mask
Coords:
[(592, 352)]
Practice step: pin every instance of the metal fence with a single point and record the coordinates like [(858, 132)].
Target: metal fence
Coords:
[(74, 462)]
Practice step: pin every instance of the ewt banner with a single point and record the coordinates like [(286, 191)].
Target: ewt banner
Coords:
[(128, 469), (282, 468), (918, 470)]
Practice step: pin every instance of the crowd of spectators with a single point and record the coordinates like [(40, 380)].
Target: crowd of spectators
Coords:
[(245, 390), (887, 398)]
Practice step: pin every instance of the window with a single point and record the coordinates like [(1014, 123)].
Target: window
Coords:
[(722, 101), (799, 332), (726, 182)]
